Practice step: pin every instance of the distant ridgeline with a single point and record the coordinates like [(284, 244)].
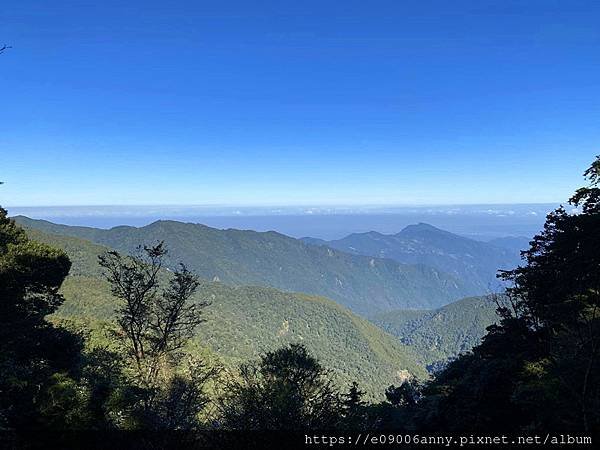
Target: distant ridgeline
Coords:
[(420, 268), (473, 262), (245, 320)]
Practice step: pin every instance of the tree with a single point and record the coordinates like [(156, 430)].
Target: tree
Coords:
[(184, 397), (557, 296), (539, 366), (155, 323), (286, 390), (354, 409), (34, 354), (407, 394)]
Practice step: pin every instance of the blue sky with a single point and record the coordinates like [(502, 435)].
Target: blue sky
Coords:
[(325, 102)]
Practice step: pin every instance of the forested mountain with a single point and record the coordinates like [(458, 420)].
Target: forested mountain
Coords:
[(366, 285), (442, 333), (475, 263), (243, 322)]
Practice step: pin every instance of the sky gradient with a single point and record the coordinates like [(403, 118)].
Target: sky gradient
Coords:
[(283, 103)]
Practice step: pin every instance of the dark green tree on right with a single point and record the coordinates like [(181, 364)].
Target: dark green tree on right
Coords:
[(539, 367)]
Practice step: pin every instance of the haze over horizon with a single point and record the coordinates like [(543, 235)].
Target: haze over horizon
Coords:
[(315, 103)]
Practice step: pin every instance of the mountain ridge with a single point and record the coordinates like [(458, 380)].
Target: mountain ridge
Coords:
[(363, 283), (475, 263)]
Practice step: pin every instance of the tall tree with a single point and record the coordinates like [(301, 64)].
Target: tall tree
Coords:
[(354, 409), (34, 354), (156, 319), (539, 367), (556, 294)]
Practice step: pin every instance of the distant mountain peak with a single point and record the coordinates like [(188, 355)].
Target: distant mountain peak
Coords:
[(475, 263), (422, 226)]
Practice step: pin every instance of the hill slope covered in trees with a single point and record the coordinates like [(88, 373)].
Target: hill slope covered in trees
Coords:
[(243, 322), (442, 333)]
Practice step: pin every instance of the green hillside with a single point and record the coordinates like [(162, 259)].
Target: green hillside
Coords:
[(245, 321), (442, 333), (364, 284)]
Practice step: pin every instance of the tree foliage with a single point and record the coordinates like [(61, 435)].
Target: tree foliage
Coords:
[(539, 366), (286, 390), (35, 356), (155, 323)]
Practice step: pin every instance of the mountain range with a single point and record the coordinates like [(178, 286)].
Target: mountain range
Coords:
[(365, 284), (246, 319), (474, 263)]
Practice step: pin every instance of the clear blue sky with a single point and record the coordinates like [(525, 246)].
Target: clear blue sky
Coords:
[(297, 102)]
